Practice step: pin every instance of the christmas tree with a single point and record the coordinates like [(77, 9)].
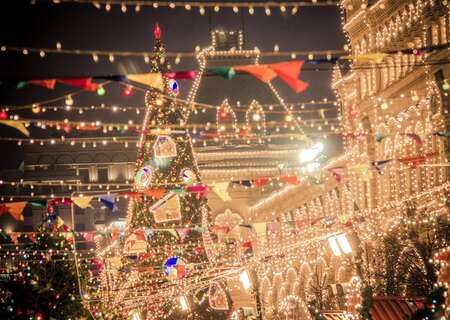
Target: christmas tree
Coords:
[(167, 239), (44, 281)]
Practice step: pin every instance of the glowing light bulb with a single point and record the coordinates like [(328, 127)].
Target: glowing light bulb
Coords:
[(256, 117)]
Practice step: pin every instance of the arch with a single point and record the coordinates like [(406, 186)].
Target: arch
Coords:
[(291, 277), (294, 308), (120, 157), (101, 158), (255, 119), (64, 159), (45, 159), (84, 158)]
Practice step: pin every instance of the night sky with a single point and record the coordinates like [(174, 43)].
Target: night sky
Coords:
[(82, 26)]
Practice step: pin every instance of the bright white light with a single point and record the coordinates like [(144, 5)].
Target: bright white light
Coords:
[(245, 280), (334, 246), (343, 243), (184, 303), (311, 167), (311, 153)]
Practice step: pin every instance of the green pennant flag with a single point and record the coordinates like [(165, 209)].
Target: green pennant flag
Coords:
[(198, 229), (380, 137), (225, 72), (177, 190), (38, 203)]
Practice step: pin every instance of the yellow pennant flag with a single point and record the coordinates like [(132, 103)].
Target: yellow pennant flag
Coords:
[(363, 171), (220, 188), (154, 80), (83, 202), (19, 125), (376, 57)]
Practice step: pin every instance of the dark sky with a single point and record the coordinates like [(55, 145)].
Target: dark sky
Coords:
[(82, 26)]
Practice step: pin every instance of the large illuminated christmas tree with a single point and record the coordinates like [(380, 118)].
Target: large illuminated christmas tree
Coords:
[(166, 244)]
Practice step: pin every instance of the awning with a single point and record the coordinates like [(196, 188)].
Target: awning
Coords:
[(393, 308)]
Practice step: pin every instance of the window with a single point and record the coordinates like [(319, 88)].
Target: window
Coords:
[(28, 228), (103, 174), (80, 227)]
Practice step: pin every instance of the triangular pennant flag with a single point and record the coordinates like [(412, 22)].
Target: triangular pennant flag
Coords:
[(337, 173), (153, 80), (19, 125), (443, 134), (172, 232), (183, 232), (155, 193), (46, 83), (38, 203), (181, 75), (376, 57), (292, 179), (82, 83), (225, 72), (15, 209), (109, 202), (261, 72), (83, 202), (379, 165), (380, 137), (289, 73), (220, 188), (260, 228)]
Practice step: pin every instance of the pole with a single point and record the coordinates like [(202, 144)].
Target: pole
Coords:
[(75, 246)]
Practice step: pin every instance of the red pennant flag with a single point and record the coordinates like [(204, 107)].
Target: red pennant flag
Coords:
[(155, 193), (260, 182), (290, 179), (261, 72), (289, 73), (46, 83), (82, 83)]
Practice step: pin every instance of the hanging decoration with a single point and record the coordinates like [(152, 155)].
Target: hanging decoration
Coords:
[(83, 202), (165, 147), (19, 125), (15, 209), (143, 178), (167, 208), (217, 297), (175, 268), (109, 202), (173, 85), (188, 176), (152, 80)]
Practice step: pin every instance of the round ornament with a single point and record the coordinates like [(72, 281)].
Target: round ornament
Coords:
[(144, 177), (175, 268), (173, 84), (188, 176)]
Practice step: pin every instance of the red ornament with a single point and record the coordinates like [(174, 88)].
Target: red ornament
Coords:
[(128, 92), (223, 114), (3, 115), (157, 31)]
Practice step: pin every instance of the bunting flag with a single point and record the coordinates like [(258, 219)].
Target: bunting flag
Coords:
[(15, 209), (413, 162), (261, 72), (19, 125), (379, 137), (201, 190), (289, 73), (225, 72), (82, 83), (414, 137), (443, 134), (260, 182), (379, 165), (155, 193), (221, 189), (337, 173), (376, 57), (83, 202), (153, 80), (363, 171), (292, 179), (109, 202), (274, 227), (46, 83), (181, 75), (183, 233)]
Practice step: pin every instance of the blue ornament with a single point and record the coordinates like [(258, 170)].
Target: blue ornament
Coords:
[(173, 84)]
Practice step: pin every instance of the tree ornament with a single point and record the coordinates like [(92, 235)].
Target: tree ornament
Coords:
[(144, 177), (173, 85), (188, 176), (175, 268), (165, 147), (167, 208)]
